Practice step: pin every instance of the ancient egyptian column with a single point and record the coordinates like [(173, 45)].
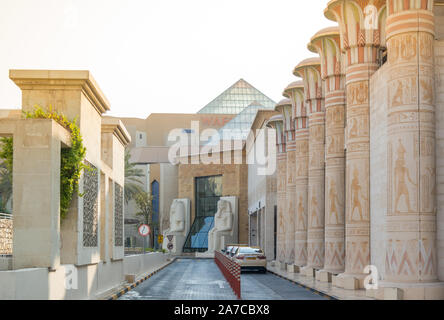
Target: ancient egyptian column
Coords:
[(285, 108), (310, 71), (281, 198), (411, 214), (327, 43), (361, 29), (295, 92)]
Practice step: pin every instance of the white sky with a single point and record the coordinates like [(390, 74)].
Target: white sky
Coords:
[(150, 56)]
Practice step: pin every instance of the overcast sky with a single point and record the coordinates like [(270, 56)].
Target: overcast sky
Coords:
[(159, 55)]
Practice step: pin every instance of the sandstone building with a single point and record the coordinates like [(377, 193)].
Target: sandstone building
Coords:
[(371, 108)]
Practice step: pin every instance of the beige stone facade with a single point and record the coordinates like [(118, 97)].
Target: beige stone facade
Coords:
[(234, 184), (380, 72)]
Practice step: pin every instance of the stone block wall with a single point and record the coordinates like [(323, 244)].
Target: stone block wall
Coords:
[(5, 237), (439, 85), (378, 167), (234, 181), (439, 22)]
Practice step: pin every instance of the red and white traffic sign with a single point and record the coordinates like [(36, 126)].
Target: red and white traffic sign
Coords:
[(144, 230)]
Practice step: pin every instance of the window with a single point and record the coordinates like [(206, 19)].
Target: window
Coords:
[(208, 193)]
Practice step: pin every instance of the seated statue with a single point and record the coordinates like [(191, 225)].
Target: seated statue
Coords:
[(177, 219), (223, 226)]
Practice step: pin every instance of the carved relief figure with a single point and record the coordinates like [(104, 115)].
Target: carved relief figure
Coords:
[(333, 198), (427, 91), (314, 214), (408, 47), (357, 194), (428, 185), (397, 97), (353, 128), (301, 220), (362, 93), (426, 47), (292, 164), (401, 173), (223, 225), (291, 212), (281, 221)]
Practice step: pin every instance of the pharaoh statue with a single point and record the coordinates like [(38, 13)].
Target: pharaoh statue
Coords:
[(177, 219), (223, 226), (174, 237)]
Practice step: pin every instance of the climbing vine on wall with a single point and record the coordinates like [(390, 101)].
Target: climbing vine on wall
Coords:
[(6, 152), (72, 163)]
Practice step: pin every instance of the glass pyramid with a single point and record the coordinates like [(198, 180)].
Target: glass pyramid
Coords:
[(239, 127), (236, 98)]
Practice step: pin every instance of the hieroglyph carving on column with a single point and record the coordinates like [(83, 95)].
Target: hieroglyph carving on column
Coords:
[(411, 190), (327, 44), (295, 92), (285, 108), (362, 32), (277, 124), (310, 72)]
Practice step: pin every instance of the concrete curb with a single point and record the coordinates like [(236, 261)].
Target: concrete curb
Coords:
[(319, 293), (137, 283)]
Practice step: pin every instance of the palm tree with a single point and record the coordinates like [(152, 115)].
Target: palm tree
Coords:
[(133, 185), (144, 203)]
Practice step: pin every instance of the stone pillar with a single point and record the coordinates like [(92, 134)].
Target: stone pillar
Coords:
[(36, 193), (309, 70), (76, 95), (295, 91), (281, 198), (361, 27), (411, 254), (327, 43), (285, 108)]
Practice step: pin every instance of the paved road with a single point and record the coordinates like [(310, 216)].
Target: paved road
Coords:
[(200, 279), (256, 286)]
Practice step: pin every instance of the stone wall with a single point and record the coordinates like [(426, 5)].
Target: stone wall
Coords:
[(5, 237), (439, 80), (439, 22), (96, 281), (378, 167), (234, 183)]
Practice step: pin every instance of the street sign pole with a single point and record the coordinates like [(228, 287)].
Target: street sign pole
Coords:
[(144, 231), (143, 252)]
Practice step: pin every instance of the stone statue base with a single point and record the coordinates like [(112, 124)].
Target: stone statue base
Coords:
[(178, 238), (205, 255)]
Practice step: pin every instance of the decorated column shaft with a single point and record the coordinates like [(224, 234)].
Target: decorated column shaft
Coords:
[(411, 213), (285, 108), (295, 91), (281, 194), (361, 30), (327, 43), (309, 70)]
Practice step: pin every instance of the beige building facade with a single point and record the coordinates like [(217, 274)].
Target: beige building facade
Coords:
[(374, 103)]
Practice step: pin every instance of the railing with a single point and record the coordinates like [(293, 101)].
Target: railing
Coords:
[(6, 216), (231, 271), (5, 235)]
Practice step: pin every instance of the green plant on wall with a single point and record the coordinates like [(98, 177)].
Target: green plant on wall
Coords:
[(6, 153), (72, 158)]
